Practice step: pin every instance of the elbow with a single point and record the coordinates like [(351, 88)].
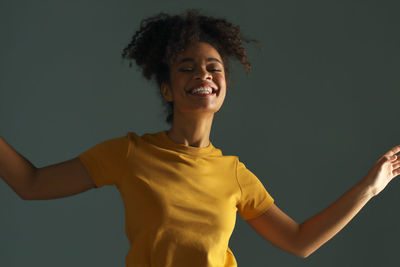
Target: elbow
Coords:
[(29, 190), (303, 252), (22, 194), (300, 254), (27, 194), (25, 197), (303, 255), (298, 251), (303, 247)]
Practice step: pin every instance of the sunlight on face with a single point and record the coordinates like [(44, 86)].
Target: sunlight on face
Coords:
[(199, 65)]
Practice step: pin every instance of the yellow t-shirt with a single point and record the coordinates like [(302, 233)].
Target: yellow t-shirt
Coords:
[(180, 201)]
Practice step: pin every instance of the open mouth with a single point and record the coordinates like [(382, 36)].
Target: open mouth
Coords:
[(203, 91)]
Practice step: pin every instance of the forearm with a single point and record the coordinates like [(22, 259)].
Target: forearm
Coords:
[(15, 170), (318, 229)]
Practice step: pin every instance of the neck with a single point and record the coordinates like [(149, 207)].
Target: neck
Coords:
[(191, 131)]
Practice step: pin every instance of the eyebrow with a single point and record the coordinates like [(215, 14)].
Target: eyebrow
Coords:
[(191, 60)]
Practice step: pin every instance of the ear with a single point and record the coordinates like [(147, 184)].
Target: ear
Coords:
[(166, 92)]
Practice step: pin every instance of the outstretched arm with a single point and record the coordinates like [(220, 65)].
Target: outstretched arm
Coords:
[(303, 239), (31, 183)]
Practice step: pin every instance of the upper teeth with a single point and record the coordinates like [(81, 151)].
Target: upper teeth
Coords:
[(202, 89)]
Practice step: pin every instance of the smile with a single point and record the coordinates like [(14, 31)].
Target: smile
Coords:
[(203, 91), (202, 94)]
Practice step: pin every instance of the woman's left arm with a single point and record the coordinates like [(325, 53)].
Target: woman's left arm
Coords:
[(303, 239)]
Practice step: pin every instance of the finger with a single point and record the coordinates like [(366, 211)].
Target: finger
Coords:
[(393, 151), (396, 172), (392, 159), (395, 166)]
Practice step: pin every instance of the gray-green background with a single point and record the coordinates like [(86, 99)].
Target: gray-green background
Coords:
[(319, 108)]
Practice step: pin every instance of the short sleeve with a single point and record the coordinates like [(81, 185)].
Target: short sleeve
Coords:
[(255, 199), (106, 161)]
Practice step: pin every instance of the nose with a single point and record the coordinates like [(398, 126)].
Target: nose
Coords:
[(203, 74)]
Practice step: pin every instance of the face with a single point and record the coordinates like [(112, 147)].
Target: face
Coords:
[(199, 65)]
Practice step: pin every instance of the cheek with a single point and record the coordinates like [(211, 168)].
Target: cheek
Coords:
[(222, 81), (174, 84), (179, 80)]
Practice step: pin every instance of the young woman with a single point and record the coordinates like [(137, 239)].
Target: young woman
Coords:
[(180, 193)]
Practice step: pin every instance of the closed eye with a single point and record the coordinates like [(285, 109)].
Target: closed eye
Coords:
[(186, 70)]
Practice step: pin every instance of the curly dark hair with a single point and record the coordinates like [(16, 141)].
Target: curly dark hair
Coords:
[(162, 37)]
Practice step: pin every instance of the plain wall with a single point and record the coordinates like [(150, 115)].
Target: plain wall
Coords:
[(319, 108)]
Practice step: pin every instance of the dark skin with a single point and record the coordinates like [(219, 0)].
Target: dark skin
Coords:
[(193, 117)]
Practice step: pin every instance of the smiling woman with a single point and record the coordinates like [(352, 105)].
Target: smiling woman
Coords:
[(197, 87), (163, 37), (180, 193)]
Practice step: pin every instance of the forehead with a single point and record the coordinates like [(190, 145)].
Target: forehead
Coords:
[(199, 52)]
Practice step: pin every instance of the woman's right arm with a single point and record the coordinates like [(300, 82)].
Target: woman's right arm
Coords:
[(54, 181)]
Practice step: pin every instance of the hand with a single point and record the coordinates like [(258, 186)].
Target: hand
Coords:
[(384, 170)]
